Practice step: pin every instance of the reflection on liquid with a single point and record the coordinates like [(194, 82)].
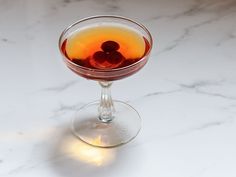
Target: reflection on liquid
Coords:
[(83, 152)]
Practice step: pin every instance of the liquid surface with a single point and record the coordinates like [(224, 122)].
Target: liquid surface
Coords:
[(105, 47)]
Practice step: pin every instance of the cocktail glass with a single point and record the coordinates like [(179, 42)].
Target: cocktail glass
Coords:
[(107, 122)]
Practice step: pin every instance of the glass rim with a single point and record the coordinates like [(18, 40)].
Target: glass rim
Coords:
[(106, 16)]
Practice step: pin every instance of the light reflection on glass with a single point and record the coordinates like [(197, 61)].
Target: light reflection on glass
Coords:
[(83, 152)]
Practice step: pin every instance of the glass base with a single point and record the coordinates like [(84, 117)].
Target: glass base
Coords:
[(123, 128)]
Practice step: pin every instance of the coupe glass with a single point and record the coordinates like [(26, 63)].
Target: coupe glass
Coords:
[(107, 122)]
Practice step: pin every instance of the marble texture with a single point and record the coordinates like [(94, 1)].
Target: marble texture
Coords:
[(186, 94)]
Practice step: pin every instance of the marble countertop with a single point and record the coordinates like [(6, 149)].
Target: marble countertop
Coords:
[(186, 94)]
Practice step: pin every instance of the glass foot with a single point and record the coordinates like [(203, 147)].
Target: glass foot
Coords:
[(123, 128)]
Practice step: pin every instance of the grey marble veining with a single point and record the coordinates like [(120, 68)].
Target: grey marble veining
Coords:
[(61, 87)]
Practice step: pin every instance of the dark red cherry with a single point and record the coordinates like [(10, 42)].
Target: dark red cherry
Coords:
[(110, 46), (77, 61), (115, 57), (100, 56)]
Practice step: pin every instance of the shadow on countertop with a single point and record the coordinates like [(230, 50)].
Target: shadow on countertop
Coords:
[(74, 158)]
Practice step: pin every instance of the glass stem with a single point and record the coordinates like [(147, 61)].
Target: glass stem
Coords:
[(106, 108)]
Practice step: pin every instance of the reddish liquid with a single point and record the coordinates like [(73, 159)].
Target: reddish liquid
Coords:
[(105, 48)]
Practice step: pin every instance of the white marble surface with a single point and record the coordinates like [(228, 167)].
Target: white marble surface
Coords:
[(186, 94)]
